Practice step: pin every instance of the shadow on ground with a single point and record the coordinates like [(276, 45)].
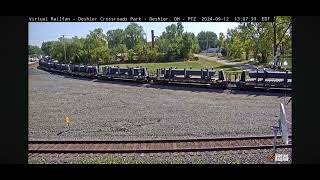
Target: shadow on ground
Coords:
[(198, 88), (261, 92)]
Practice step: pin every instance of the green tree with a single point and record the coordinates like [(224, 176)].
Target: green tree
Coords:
[(34, 50), (180, 29), (120, 51), (263, 40), (189, 45), (116, 38), (245, 35), (56, 50), (96, 49), (152, 54), (131, 55), (45, 47), (133, 35), (74, 50), (207, 40), (236, 47), (221, 40), (281, 33), (255, 37), (141, 52), (170, 42)]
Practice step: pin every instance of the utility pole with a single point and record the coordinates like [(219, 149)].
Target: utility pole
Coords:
[(227, 45), (64, 47), (207, 45), (152, 38)]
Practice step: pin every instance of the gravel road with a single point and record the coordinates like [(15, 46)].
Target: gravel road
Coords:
[(234, 64), (114, 110)]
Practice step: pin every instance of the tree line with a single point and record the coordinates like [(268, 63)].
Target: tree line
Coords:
[(34, 50), (127, 45), (259, 40)]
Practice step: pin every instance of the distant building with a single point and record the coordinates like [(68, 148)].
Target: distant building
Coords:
[(212, 50)]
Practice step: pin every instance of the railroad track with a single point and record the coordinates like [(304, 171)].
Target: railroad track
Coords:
[(156, 146)]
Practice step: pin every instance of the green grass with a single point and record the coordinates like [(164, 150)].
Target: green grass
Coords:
[(200, 64)]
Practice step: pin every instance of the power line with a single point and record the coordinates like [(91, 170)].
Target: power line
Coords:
[(64, 47)]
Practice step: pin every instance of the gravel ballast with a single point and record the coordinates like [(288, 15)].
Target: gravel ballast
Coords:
[(217, 157), (123, 111)]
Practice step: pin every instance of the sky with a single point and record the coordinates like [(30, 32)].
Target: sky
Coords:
[(48, 31)]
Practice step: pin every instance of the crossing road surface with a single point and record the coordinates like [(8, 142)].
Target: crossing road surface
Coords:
[(234, 64)]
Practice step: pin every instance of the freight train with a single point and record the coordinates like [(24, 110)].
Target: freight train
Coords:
[(259, 79)]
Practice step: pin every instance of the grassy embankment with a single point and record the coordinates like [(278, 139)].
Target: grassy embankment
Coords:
[(199, 64)]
